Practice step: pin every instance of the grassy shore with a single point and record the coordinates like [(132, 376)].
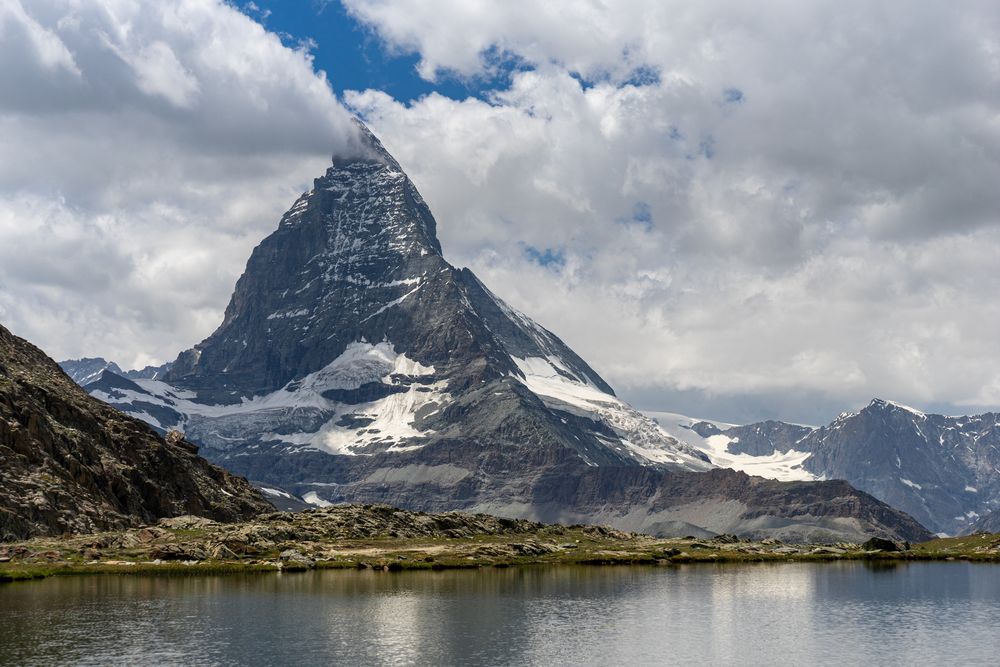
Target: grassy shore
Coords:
[(389, 539), (390, 554)]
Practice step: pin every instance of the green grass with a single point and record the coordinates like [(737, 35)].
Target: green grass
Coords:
[(439, 553)]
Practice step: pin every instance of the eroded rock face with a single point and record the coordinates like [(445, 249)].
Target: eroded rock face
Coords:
[(70, 463)]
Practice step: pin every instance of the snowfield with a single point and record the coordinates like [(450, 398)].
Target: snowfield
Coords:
[(561, 389), (782, 466)]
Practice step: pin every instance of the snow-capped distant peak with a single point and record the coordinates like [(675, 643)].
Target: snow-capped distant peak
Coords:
[(882, 403), (716, 439), (89, 369)]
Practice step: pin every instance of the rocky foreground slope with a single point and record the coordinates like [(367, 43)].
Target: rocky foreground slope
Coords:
[(70, 463), (355, 364)]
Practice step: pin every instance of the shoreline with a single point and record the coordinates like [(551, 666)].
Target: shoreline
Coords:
[(42, 558)]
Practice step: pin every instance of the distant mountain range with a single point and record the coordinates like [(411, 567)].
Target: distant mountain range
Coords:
[(70, 463), (355, 364), (89, 369), (943, 471)]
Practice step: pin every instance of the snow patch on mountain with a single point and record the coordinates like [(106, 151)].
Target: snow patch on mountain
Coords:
[(348, 429), (313, 499), (901, 406), (783, 466), (277, 493), (561, 389)]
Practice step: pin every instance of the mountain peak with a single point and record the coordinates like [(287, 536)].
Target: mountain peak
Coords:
[(88, 369), (883, 404), (344, 259), (350, 302), (365, 204), (366, 148)]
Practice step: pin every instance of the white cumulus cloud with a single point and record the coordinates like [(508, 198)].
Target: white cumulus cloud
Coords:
[(147, 147), (723, 202)]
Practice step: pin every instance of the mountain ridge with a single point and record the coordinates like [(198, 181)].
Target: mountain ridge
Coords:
[(89, 369), (943, 470)]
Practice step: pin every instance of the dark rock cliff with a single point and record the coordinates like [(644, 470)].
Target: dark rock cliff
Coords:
[(70, 463)]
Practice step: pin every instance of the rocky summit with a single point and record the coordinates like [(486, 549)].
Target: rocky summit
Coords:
[(70, 463), (355, 364)]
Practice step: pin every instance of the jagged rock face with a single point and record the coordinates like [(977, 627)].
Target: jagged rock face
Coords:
[(355, 364), (70, 463), (941, 470), (764, 438)]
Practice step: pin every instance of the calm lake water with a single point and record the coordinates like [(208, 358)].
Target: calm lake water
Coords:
[(796, 614)]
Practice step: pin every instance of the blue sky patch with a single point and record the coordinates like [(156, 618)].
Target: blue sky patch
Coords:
[(733, 96), (548, 257), (643, 76), (641, 217), (354, 58), (707, 147)]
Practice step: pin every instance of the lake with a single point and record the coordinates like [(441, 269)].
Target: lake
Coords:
[(795, 614)]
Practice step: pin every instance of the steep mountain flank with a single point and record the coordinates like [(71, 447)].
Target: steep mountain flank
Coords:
[(987, 524)]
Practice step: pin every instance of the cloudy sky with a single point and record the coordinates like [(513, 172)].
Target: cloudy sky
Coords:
[(734, 210)]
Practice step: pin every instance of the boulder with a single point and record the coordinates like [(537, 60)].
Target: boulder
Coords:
[(187, 522), (178, 552), (785, 550), (222, 552), (294, 560), (882, 544)]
